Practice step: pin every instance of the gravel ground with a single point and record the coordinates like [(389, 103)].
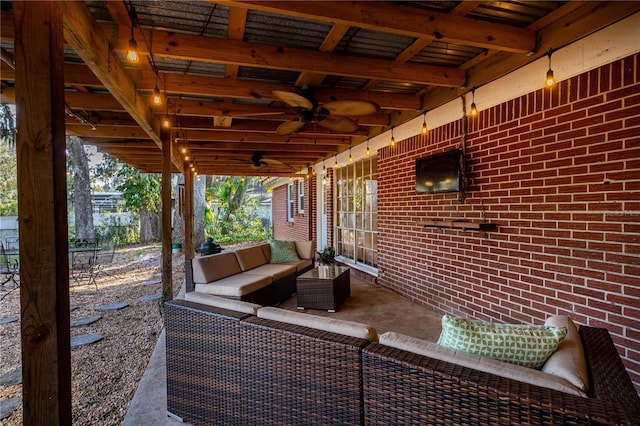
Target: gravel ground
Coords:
[(105, 375)]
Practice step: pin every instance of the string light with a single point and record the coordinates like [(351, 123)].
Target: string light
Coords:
[(393, 139), (425, 130), (474, 109), (368, 151), (335, 165), (166, 123), (550, 80), (132, 52), (350, 157), (157, 98)]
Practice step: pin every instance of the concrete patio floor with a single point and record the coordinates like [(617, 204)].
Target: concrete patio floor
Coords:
[(368, 304)]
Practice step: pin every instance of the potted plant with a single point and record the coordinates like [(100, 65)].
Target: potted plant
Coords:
[(327, 256)]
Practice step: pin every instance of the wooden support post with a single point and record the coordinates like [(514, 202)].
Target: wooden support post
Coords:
[(167, 262), (42, 188)]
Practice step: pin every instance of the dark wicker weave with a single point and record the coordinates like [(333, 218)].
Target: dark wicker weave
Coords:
[(204, 384), (300, 376), (323, 288), (401, 388), (284, 288)]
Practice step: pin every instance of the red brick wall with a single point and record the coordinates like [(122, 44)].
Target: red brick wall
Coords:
[(566, 242), (300, 228)]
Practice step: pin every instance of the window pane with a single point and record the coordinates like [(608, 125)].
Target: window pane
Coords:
[(356, 211)]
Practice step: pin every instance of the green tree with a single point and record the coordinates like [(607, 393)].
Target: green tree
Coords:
[(8, 165), (8, 181), (141, 193), (235, 215)]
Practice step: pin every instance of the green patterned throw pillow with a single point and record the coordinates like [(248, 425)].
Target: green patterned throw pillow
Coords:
[(525, 345), (283, 251)]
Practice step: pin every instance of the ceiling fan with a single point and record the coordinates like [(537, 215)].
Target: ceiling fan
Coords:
[(333, 115), (257, 161)]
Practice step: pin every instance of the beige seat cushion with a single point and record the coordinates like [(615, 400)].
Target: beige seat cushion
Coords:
[(347, 328), (299, 265), (214, 267), (235, 286), (568, 361), (274, 270), (250, 257), (477, 362), (222, 302)]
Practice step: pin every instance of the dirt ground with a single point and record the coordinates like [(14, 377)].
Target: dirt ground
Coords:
[(105, 374)]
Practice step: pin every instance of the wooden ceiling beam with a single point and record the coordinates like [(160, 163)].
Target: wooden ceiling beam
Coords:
[(336, 33), (403, 19), (267, 138), (205, 49), (246, 146), (80, 29)]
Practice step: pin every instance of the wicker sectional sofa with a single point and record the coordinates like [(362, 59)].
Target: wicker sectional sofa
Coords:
[(248, 274), (236, 363)]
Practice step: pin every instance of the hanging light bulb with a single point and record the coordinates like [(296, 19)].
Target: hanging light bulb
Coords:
[(425, 130), (132, 52), (550, 80), (335, 165), (393, 139), (368, 151), (166, 123), (474, 109), (350, 157), (157, 98)]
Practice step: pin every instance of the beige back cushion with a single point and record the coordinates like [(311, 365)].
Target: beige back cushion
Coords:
[(214, 267), (477, 362), (222, 302), (305, 249), (250, 257), (347, 328), (266, 250), (568, 361)]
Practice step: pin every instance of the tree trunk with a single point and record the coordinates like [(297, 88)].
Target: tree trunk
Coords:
[(199, 186), (146, 226), (82, 206), (177, 223)]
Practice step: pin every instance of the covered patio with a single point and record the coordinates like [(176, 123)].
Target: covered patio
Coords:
[(300, 90)]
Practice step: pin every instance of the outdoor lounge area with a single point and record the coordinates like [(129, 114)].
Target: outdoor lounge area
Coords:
[(479, 160)]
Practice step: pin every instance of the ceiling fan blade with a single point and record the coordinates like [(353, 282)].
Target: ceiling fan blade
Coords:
[(293, 99), (272, 162), (339, 124), (351, 107), (289, 127)]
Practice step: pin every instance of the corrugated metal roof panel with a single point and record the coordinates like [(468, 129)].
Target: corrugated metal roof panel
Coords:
[(266, 74), (514, 13), (284, 30), (344, 82), (189, 67), (364, 42), (446, 54), (398, 87)]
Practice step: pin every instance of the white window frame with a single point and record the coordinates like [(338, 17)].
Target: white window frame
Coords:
[(300, 197), (290, 202)]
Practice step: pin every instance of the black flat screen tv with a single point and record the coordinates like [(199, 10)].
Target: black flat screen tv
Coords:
[(439, 173)]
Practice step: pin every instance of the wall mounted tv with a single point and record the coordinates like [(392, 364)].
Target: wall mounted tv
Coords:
[(439, 173)]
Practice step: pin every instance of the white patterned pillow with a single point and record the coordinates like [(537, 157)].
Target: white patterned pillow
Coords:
[(526, 345)]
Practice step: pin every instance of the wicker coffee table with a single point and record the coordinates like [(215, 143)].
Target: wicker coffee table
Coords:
[(324, 287)]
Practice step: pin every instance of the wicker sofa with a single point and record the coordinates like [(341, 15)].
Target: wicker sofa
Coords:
[(230, 362), (248, 274)]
